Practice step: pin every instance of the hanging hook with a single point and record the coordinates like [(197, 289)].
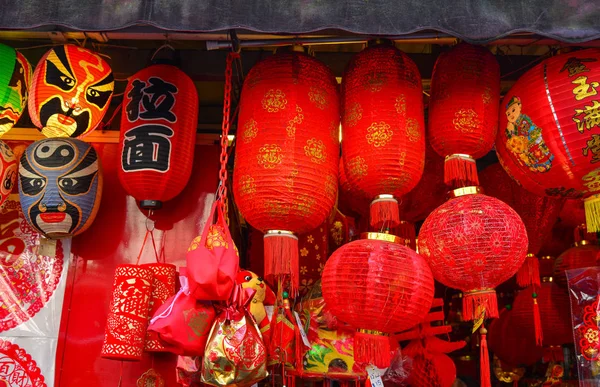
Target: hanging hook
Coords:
[(149, 223), (166, 44), (235, 42)]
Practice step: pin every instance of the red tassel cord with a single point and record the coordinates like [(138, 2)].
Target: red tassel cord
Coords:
[(281, 258), (485, 298), (485, 359), (537, 321), (406, 231), (385, 212), (372, 348), (529, 273), (460, 171)]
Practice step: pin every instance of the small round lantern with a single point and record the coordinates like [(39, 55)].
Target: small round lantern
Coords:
[(286, 165), (463, 109), (60, 186), (383, 129), (15, 77), (583, 254), (70, 91), (514, 347), (158, 134), (8, 171), (378, 287)]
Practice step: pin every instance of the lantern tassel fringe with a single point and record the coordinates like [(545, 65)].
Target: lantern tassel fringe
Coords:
[(485, 360), (281, 259), (537, 322), (385, 212), (460, 171), (592, 213), (406, 231), (372, 349), (529, 273), (486, 299)]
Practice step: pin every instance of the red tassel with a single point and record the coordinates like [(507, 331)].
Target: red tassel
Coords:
[(460, 171), (529, 273), (372, 348), (281, 258), (515, 383), (406, 231), (485, 298), (485, 359), (537, 322), (385, 212)]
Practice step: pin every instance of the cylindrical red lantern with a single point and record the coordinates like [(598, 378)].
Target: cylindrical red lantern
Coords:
[(514, 347), (128, 315), (286, 165), (378, 287), (473, 243), (463, 110), (583, 254), (383, 129), (547, 139), (158, 133), (348, 194), (164, 276)]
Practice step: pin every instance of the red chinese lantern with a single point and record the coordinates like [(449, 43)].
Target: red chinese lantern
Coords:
[(164, 276), (285, 173), (514, 347), (583, 254), (538, 213), (158, 133), (463, 109), (549, 138), (573, 213), (383, 129), (348, 194), (378, 287)]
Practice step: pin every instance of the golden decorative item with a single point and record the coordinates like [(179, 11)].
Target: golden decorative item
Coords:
[(269, 156), (297, 120), (353, 114), (248, 187), (274, 101), (379, 236), (412, 131), (304, 205), (511, 376), (379, 134), (250, 131), (150, 378), (216, 237), (318, 96), (357, 168), (315, 149), (466, 121), (400, 104)]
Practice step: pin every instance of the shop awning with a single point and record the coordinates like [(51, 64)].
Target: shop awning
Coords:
[(480, 21)]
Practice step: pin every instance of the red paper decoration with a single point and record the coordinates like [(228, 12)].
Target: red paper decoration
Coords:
[(164, 276), (473, 243), (378, 287), (158, 133), (285, 173), (383, 129), (128, 314), (18, 368), (514, 347), (463, 109), (548, 138), (583, 254)]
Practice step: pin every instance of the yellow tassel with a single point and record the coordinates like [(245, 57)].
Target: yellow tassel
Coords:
[(592, 213)]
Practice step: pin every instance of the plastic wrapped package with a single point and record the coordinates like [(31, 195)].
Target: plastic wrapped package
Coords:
[(584, 287)]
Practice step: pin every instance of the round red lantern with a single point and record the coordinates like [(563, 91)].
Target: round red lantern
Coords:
[(473, 243), (583, 254), (383, 129), (463, 109), (549, 136), (514, 347), (70, 91), (378, 287), (286, 165), (158, 134)]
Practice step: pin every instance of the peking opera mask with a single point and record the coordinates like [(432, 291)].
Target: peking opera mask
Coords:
[(60, 186), (15, 77), (8, 171), (71, 91)]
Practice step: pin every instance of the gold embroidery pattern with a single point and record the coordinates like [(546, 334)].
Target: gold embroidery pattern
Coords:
[(412, 130), (375, 81), (269, 156), (277, 209), (487, 96), (274, 101), (379, 134), (353, 114), (391, 184), (315, 149), (400, 104), (247, 185), (318, 96), (337, 233), (331, 186), (334, 132), (592, 180), (357, 168), (297, 120), (303, 205), (402, 158), (195, 243), (216, 237), (466, 120), (289, 181), (250, 131)]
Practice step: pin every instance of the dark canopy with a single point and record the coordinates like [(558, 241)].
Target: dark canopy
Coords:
[(473, 20)]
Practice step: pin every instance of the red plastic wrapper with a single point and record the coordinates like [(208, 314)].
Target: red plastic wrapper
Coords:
[(189, 370), (584, 287)]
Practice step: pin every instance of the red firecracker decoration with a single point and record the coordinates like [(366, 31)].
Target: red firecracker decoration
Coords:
[(378, 287), (383, 129), (163, 287), (549, 138), (128, 314), (538, 213), (285, 173), (583, 254), (463, 110), (158, 133)]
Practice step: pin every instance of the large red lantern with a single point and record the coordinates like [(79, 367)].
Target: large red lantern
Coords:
[(378, 287), (158, 133), (583, 254), (383, 146), (285, 173), (463, 108), (514, 347), (549, 137)]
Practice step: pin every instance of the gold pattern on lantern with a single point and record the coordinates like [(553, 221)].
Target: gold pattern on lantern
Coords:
[(297, 120), (269, 156), (412, 130), (487, 96), (592, 180), (402, 158), (289, 181), (334, 132), (250, 131), (466, 120), (303, 205), (400, 104), (277, 209), (337, 232), (357, 168), (379, 134), (216, 237), (331, 186), (353, 114), (374, 81), (247, 185), (274, 101), (315, 149), (195, 243), (391, 184), (318, 96)]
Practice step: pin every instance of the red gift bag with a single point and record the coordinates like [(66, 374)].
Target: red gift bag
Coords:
[(213, 260), (183, 323)]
